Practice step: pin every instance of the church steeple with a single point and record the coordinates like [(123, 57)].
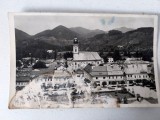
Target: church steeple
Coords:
[(75, 46)]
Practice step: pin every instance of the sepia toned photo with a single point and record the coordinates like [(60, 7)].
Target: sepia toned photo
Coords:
[(72, 60)]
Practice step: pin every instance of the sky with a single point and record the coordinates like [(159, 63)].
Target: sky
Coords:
[(33, 24)]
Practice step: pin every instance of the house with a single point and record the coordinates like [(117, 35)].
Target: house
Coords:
[(61, 68), (113, 75), (105, 75), (79, 73), (137, 69), (110, 60), (22, 81), (62, 77), (82, 58), (50, 51)]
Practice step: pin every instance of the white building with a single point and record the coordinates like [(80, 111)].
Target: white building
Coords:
[(82, 58), (137, 69), (109, 75), (62, 77), (114, 75), (110, 60), (22, 81)]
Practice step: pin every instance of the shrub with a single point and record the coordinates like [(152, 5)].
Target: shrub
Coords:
[(39, 64)]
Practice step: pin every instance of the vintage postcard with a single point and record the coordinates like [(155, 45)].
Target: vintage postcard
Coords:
[(72, 60)]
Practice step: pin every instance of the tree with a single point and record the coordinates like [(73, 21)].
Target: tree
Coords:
[(44, 54), (66, 65), (39, 64), (127, 53), (18, 63), (114, 32), (116, 55), (147, 55), (101, 54), (68, 55), (55, 54)]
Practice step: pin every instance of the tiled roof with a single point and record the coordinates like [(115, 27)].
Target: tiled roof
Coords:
[(23, 79), (105, 70), (87, 56), (59, 73), (88, 68)]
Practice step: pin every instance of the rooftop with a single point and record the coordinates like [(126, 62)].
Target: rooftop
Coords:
[(87, 56), (60, 73), (104, 70), (23, 79), (79, 71)]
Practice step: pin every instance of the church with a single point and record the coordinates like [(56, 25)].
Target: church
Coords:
[(83, 58)]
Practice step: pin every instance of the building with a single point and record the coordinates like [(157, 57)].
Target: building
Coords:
[(114, 75), (62, 77), (50, 51), (110, 60), (79, 73), (109, 75), (22, 81), (82, 58), (137, 69)]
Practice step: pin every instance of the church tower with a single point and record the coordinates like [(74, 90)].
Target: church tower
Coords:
[(75, 48)]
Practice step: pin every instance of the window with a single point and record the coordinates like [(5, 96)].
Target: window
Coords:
[(75, 49), (130, 82), (129, 75), (122, 82), (104, 77), (112, 82), (96, 77)]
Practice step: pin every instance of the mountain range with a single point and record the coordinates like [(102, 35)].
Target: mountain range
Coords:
[(86, 33), (124, 29), (61, 39)]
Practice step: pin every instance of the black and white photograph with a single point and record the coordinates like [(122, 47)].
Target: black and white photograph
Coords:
[(77, 60)]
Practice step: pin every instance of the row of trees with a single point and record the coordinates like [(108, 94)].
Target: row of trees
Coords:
[(42, 54), (119, 55)]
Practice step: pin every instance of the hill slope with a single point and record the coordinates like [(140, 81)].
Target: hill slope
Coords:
[(61, 39), (86, 33)]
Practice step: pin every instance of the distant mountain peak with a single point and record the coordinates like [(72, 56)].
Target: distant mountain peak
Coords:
[(124, 29), (21, 35), (60, 27), (59, 32), (87, 33)]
